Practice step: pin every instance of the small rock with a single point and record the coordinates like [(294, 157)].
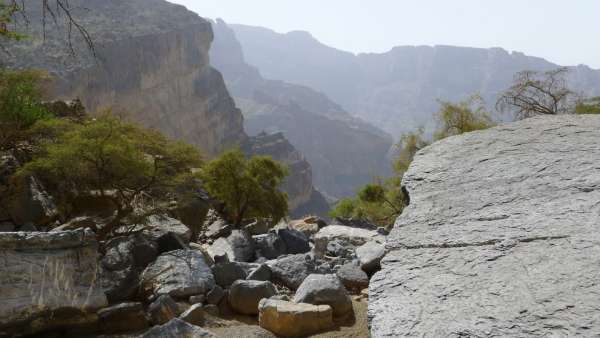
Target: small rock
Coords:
[(295, 241), (325, 289), (262, 273), (194, 315), (239, 246), (353, 278), (215, 295), (293, 320), (177, 328), (244, 296), (124, 317), (227, 273), (162, 310)]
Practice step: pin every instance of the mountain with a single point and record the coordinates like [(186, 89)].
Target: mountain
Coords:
[(398, 90), (152, 62), (345, 152)]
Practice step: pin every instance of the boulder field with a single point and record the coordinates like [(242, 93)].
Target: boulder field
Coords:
[(501, 236)]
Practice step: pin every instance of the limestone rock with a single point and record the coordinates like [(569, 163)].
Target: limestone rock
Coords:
[(309, 226), (238, 246), (124, 317), (59, 270), (215, 295), (177, 328), (500, 238), (28, 203), (370, 255), (180, 274), (325, 290), (292, 320), (291, 270), (262, 273), (169, 233), (162, 310), (353, 236), (244, 296), (215, 226)]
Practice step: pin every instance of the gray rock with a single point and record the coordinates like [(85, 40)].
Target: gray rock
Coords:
[(227, 273), (500, 237), (169, 233), (341, 248), (199, 299), (239, 246), (194, 315), (257, 227), (325, 289), (291, 270), (353, 277), (370, 255), (162, 310), (262, 273), (177, 328), (28, 202), (244, 296), (352, 236), (180, 274), (289, 319), (216, 226), (269, 246), (59, 270), (211, 309), (215, 295), (295, 241), (124, 317)]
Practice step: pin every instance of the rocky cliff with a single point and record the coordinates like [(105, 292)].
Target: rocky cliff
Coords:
[(152, 62), (500, 238), (396, 91), (345, 152)]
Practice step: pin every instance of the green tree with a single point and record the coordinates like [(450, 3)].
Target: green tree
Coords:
[(249, 188), (136, 169), (20, 104), (588, 106), (462, 117), (408, 147)]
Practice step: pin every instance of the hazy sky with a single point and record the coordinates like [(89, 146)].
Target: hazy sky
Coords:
[(562, 31)]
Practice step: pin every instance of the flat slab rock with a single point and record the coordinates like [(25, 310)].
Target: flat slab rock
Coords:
[(501, 236)]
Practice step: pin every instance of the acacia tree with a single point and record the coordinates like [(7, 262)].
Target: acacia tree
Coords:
[(462, 117), (534, 93), (137, 169), (249, 188)]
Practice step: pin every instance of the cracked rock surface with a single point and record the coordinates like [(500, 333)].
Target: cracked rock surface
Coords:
[(501, 237)]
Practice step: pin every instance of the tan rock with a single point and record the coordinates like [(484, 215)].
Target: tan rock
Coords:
[(289, 319)]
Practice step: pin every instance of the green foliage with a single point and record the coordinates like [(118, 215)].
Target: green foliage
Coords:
[(462, 117), (109, 157), (588, 106), (248, 187), (408, 146), (7, 12), (20, 104)]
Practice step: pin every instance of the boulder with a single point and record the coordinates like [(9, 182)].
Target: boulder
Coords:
[(215, 226), (124, 317), (199, 299), (353, 277), (169, 233), (341, 248), (162, 310), (239, 246), (125, 258), (194, 315), (180, 274), (262, 273), (287, 319), (291, 270), (500, 237), (59, 270), (269, 246), (177, 328), (227, 273), (215, 295), (257, 227), (295, 241), (325, 290), (244, 296), (370, 255), (309, 226), (192, 210), (28, 203), (354, 236)]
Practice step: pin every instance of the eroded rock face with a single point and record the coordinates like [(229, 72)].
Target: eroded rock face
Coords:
[(48, 280), (500, 238)]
